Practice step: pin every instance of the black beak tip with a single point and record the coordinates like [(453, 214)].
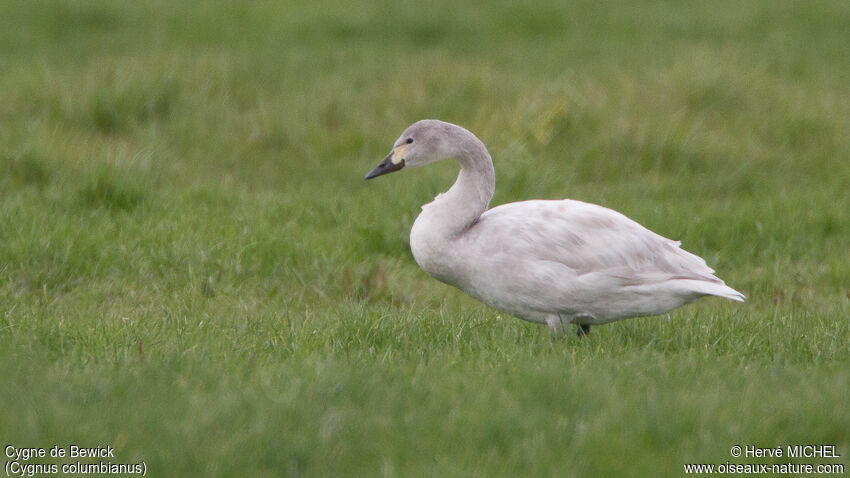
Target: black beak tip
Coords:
[(386, 166)]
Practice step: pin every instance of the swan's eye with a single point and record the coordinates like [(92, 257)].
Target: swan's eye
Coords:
[(409, 140)]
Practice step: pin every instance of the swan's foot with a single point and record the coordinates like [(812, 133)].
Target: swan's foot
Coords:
[(583, 330)]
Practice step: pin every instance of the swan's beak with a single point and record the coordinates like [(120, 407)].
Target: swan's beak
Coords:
[(393, 162)]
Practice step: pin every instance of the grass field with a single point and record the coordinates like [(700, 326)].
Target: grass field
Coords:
[(193, 271)]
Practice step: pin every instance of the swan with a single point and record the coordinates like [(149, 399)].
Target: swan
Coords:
[(551, 262)]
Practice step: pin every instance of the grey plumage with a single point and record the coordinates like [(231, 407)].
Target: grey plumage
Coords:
[(552, 262)]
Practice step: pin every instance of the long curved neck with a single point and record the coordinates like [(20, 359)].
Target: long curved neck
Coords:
[(461, 206), (444, 220)]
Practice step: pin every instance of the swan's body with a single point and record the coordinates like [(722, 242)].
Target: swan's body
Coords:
[(552, 262)]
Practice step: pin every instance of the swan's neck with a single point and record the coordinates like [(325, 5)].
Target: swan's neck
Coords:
[(444, 220), (461, 206)]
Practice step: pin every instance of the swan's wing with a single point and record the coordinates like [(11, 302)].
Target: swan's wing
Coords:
[(588, 238)]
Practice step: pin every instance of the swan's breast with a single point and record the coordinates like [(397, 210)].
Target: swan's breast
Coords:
[(428, 246), (434, 246)]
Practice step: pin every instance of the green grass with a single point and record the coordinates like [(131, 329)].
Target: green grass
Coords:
[(193, 271)]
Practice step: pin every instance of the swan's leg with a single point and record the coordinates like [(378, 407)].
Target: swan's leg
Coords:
[(583, 330), (557, 324)]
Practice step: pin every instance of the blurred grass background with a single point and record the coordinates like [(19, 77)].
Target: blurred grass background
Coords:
[(193, 271)]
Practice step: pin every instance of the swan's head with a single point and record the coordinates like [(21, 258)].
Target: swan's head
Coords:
[(421, 143)]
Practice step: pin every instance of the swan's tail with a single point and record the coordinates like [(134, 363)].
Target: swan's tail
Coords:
[(718, 289), (695, 275)]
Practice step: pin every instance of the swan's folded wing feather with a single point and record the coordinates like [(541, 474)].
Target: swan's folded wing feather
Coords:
[(588, 238)]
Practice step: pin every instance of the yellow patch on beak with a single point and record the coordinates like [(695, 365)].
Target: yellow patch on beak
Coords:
[(398, 154)]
